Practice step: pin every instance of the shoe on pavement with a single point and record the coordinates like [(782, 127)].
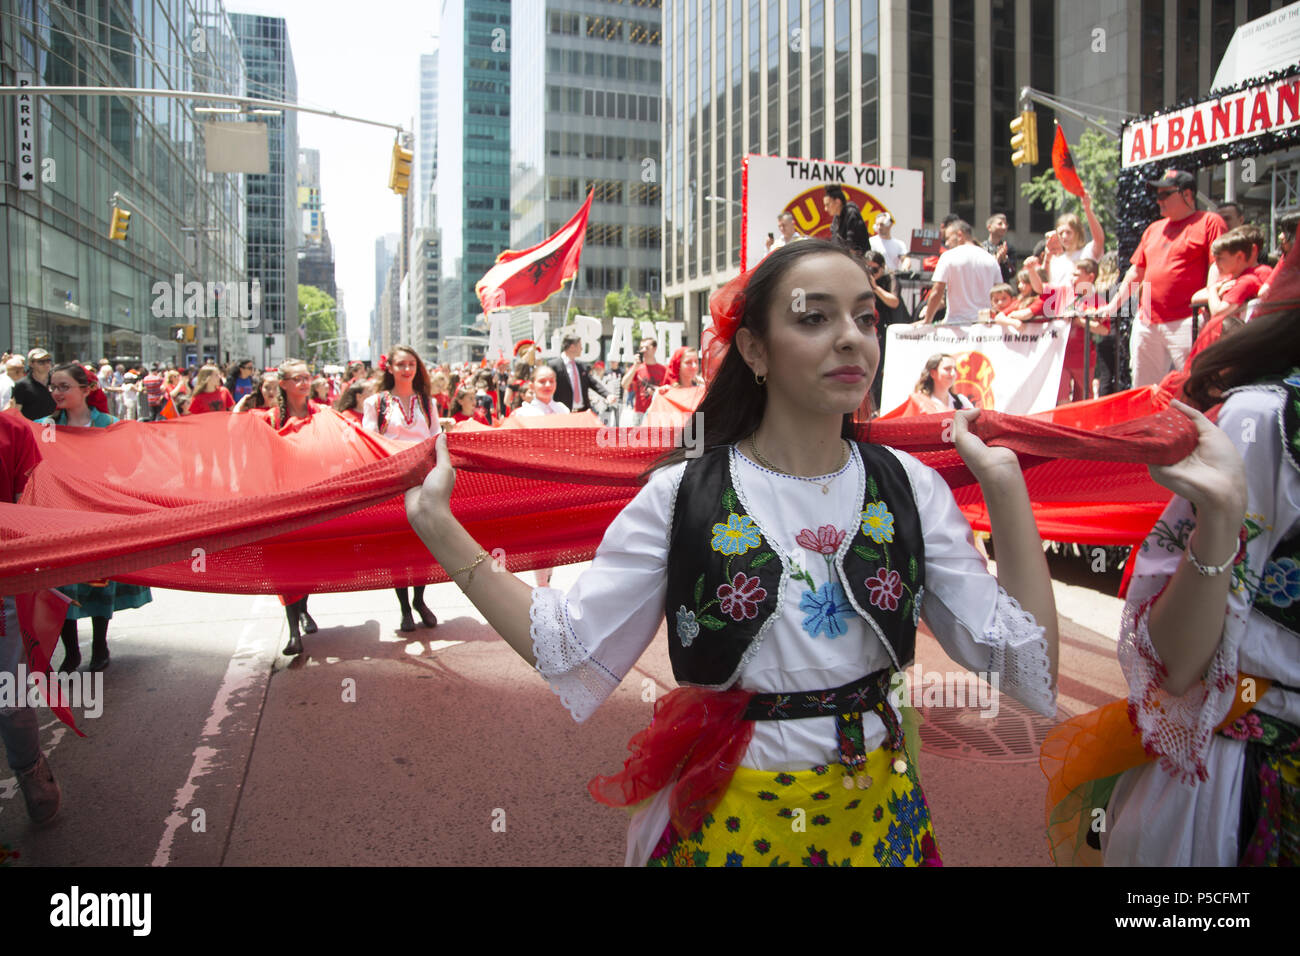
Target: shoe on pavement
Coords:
[(98, 663), (408, 622), (427, 617), (40, 791), (308, 625)]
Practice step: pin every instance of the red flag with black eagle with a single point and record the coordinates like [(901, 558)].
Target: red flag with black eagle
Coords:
[(531, 276), (1063, 164)]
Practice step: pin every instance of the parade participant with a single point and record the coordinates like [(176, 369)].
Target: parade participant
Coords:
[(265, 395), (320, 390), (1230, 213), (889, 311), (467, 408), (683, 370), (177, 389), (848, 230), (1172, 260), (543, 401), (744, 550), (573, 380), (70, 385), (242, 380), (1222, 789), (289, 411), (439, 388), (933, 392), (31, 394), (1065, 245), (1080, 306), (1286, 233), (403, 411), (1002, 303), (209, 394), (152, 384), (643, 378), (351, 400), (19, 730)]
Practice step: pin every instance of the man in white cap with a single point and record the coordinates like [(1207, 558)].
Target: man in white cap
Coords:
[(32, 392)]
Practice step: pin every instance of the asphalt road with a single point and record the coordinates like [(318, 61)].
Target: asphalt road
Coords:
[(369, 749)]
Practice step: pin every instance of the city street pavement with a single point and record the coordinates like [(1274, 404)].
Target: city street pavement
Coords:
[(370, 749)]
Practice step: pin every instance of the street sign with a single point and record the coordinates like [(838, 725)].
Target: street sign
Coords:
[(25, 133)]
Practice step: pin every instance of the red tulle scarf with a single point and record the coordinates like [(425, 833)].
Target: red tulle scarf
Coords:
[(697, 736)]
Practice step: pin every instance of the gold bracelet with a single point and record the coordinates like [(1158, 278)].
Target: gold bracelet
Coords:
[(471, 567)]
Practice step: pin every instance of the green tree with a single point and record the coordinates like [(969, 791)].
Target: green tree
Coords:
[(319, 312), (626, 303), (1096, 160)]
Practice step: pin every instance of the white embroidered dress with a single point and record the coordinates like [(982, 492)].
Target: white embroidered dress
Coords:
[(396, 426), (586, 641), (1162, 814)]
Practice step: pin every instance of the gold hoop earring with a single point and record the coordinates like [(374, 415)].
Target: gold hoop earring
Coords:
[(760, 379)]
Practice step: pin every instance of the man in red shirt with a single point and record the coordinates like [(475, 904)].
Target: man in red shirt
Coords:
[(153, 392), (644, 377), (1172, 261)]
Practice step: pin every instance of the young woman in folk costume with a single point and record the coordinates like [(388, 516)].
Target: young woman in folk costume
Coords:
[(71, 386), (1210, 638), (291, 408), (792, 565), (403, 410)]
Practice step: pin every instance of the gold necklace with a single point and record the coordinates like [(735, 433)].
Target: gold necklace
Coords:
[(825, 486)]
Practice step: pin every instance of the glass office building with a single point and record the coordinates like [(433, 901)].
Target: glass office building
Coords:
[(64, 285), (596, 83), (473, 172), (273, 198)]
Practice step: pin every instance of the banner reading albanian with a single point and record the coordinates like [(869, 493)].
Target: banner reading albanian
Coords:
[(773, 185), (997, 368)]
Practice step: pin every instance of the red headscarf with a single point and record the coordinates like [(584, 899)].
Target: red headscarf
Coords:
[(727, 306)]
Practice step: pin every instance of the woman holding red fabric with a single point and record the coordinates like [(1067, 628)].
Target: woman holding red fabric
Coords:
[(792, 564), (683, 370), (403, 410), (70, 386), (292, 407)]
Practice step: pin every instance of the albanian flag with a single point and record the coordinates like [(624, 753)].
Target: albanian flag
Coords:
[(531, 276), (1063, 164)]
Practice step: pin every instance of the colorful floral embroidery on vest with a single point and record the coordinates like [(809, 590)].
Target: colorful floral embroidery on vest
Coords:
[(740, 598)]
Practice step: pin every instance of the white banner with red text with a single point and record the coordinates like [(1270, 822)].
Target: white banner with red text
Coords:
[(997, 368)]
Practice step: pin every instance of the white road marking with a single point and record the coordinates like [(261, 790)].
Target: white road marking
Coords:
[(249, 665)]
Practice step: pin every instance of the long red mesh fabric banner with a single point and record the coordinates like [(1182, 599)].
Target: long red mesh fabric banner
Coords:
[(223, 503)]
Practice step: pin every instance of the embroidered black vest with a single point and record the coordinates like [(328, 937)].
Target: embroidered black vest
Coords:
[(1278, 595), (725, 580)]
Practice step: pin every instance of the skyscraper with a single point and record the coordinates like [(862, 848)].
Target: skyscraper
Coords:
[(427, 147), (473, 205), (273, 198), (315, 253), (585, 115)]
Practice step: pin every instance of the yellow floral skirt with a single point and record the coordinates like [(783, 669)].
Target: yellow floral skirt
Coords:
[(810, 818)]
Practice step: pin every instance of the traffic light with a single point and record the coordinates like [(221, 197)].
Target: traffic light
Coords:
[(399, 174), (1024, 138), (183, 333), (120, 223)]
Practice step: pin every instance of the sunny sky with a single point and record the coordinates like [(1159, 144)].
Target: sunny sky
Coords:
[(361, 60)]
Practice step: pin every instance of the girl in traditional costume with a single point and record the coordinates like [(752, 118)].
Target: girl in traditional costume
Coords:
[(792, 564), (403, 410), (291, 410), (97, 600), (1210, 640)]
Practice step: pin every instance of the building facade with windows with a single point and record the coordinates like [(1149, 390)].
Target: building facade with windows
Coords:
[(64, 285), (473, 201), (596, 85), (273, 198), (315, 252)]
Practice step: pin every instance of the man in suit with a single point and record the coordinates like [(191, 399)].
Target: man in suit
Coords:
[(569, 373)]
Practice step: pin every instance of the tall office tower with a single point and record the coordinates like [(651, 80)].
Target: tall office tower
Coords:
[(385, 252), (315, 254), (67, 287), (273, 198), (473, 205), (427, 148), (585, 116)]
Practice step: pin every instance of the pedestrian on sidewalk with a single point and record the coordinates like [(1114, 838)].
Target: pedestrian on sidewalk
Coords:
[(792, 564)]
